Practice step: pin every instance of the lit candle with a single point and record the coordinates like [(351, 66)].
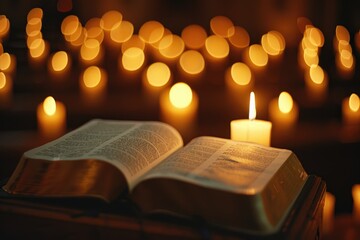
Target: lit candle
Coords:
[(283, 111), (93, 85), (59, 64), (51, 118), (316, 82), (351, 110), (356, 200), (178, 107), (328, 213), (251, 130), (7, 63), (156, 78)]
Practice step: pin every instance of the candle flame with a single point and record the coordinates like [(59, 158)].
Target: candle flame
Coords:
[(354, 102), (252, 106), (49, 106)]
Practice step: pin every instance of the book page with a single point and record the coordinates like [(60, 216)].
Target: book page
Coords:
[(223, 164), (133, 147)]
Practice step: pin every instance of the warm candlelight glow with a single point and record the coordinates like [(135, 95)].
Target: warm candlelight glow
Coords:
[(354, 102), (222, 26), (316, 74), (59, 61), (132, 59), (51, 118), (37, 48), (33, 27), (273, 43), (180, 95), (192, 62), (258, 56), (310, 57), (194, 36), (92, 85), (240, 38), (90, 50), (285, 102), (356, 202), (5, 90), (4, 26), (328, 213), (240, 73), (49, 106), (122, 32), (252, 106), (315, 36), (70, 25), (172, 50), (217, 47), (134, 41), (2, 80), (35, 13), (6, 64), (92, 77), (151, 32), (341, 33), (110, 20), (93, 30), (351, 110), (179, 107), (158, 74), (346, 59), (316, 82), (283, 113)]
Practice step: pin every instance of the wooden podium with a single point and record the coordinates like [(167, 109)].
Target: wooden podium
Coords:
[(88, 219)]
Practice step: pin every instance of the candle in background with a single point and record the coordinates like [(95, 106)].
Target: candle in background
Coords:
[(283, 112), (216, 51), (91, 52), (328, 213), (194, 36), (356, 203), (93, 83), (4, 27), (351, 110), (191, 64), (132, 60), (251, 130), (316, 82), (178, 107), (38, 51), (7, 63), (156, 78), (51, 118), (256, 57), (59, 64), (273, 44), (5, 90)]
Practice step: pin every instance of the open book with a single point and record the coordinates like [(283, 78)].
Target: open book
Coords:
[(240, 185)]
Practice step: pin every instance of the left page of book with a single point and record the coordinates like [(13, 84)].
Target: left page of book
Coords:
[(132, 147)]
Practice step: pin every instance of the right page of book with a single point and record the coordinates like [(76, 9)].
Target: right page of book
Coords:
[(224, 164)]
